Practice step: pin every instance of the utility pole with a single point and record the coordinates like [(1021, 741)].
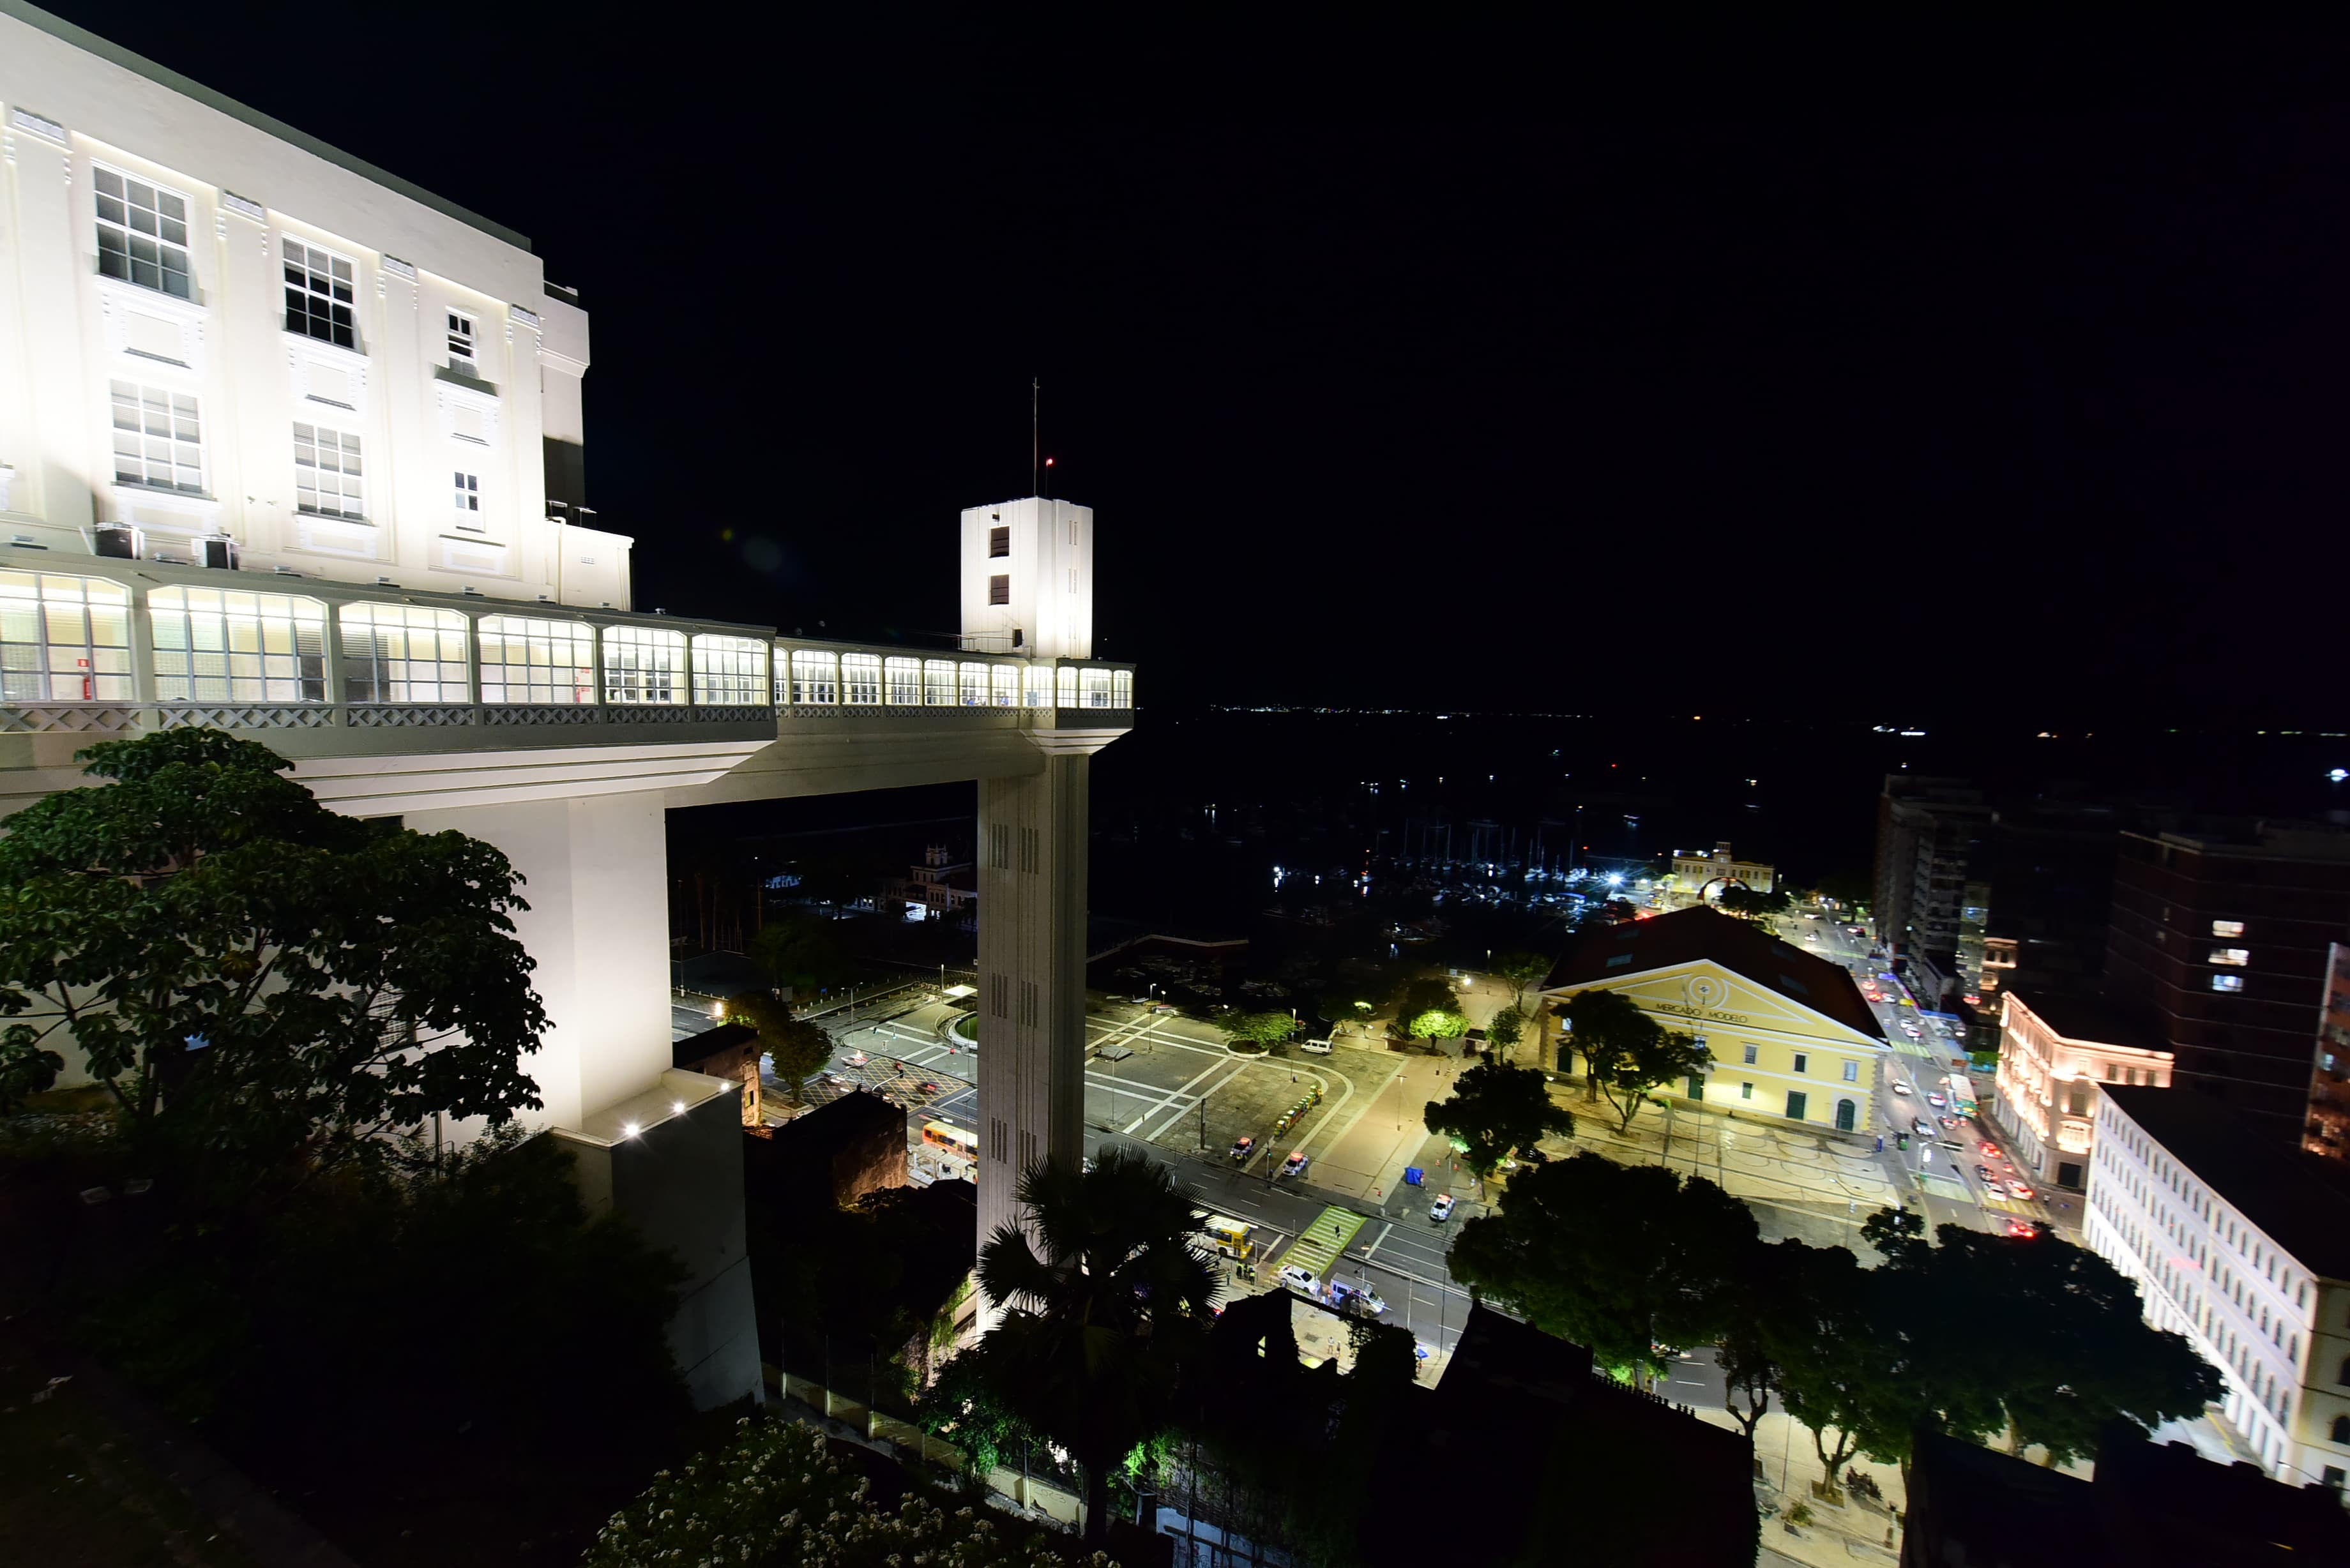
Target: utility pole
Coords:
[(1036, 434)]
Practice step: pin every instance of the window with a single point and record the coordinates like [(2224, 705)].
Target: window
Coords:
[(1749, 1054), (1065, 683), (1096, 684), (142, 233), (64, 640), (326, 473), (1038, 684), (1745, 1091), (999, 590), (2227, 928), (1121, 689), (1803, 1062), (2234, 958), (1005, 681), (213, 645), (469, 499), (999, 545), (157, 439), (905, 680), (527, 660), (318, 295), (938, 682), (2226, 982), (1852, 1072), (812, 676), (2341, 1435), (461, 344), (402, 653), (642, 664), (1620, 959), (1796, 1102), (730, 671), (2345, 1378), (974, 685), (860, 677)]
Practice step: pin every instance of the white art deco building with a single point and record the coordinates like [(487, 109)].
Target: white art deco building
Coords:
[(291, 447)]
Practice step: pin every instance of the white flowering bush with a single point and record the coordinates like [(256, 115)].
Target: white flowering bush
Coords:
[(776, 1496)]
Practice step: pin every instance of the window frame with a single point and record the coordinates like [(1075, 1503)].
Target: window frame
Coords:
[(940, 683), (378, 660), (99, 173), (340, 334), (351, 446), (860, 680), (643, 666), (470, 336), (101, 672), (140, 394), (729, 671), (539, 685), (815, 678), (902, 681), (466, 495), (293, 671)]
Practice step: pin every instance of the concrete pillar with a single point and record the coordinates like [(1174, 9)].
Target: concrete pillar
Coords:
[(1032, 974)]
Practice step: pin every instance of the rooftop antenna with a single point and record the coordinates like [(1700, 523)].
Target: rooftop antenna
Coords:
[(1036, 435)]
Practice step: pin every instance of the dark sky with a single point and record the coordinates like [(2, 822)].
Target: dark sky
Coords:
[(1991, 372)]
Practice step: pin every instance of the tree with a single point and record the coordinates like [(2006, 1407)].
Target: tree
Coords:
[(1504, 1030), (1633, 1262), (1749, 904), (1429, 1009), (1626, 1054), (1435, 1023), (1096, 1327), (1835, 1333), (801, 950), (1495, 1110), (1521, 970), (795, 1046), (254, 979), (1259, 1030)]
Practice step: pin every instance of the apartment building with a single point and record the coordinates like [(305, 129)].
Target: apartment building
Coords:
[(2055, 1055)]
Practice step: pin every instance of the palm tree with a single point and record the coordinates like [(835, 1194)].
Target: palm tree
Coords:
[(1098, 1327)]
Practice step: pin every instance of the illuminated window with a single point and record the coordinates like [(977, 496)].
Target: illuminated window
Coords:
[(2234, 958), (2226, 982), (1038, 684), (64, 640), (938, 682), (158, 439), (905, 681), (861, 677), (2227, 928), (213, 645), (730, 671), (326, 473), (974, 685), (1852, 1072), (1096, 684), (527, 660), (643, 665), (142, 233), (1067, 683), (814, 676), (1005, 679), (318, 295), (1121, 689), (402, 653), (1749, 1054)]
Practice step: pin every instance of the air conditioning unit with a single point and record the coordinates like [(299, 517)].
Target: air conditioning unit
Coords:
[(218, 551), (122, 541)]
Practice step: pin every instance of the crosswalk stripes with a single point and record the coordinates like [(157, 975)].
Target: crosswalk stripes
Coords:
[(1330, 1234)]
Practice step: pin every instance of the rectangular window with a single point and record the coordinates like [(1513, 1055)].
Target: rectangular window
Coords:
[(1796, 1102), (999, 590), (2227, 928), (860, 679), (469, 499), (974, 685), (905, 681), (64, 640), (2233, 957), (938, 682), (1005, 681), (1038, 684), (402, 653), (813, 677), (1065, 684), (1121, 689), (999, 545), (318, 291), (460, 345), (1745, 1091), (1803, 1062), (142, 233), (643, 665), (1748, 1054), (2226, 982), (214, 645), (527, 660), (327, 480), (157, 439), (1096, 686), (1852, 1072), (730, 671)]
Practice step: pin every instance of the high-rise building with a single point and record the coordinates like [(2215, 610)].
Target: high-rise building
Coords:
[(1932, 838), (2329, 1073), (2220, 945)]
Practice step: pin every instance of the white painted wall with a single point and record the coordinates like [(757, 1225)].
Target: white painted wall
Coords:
[(1050, 573)]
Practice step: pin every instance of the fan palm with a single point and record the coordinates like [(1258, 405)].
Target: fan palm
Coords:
[(1104, 1295)]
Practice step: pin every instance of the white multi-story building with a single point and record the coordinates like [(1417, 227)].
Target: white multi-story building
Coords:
[(2055, 1053), (2241, 1243), (220, 338)]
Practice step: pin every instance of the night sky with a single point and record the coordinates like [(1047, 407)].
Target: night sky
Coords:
[(1990, 373)]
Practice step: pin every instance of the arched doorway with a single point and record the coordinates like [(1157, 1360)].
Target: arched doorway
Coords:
[(1845, 1113)]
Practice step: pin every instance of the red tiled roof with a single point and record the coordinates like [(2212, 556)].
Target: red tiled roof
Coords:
[(1744, 948)]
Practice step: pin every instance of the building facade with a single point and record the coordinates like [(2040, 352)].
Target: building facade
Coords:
[(221, 340), (1699, 877), (2220, 945), (2241, 1243), (1790, 1036), (1932, 838), (2055, 1053), (2329, 1075)]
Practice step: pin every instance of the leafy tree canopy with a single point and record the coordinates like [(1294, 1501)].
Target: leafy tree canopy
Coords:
[(1495, 1110), (1625, 1053), (256, 978), (1521, 970), (802, 950), (796, 1047), (1257, 1029), (1506, 1029)]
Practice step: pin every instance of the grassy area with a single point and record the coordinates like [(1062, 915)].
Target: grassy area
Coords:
[(73, 1492)]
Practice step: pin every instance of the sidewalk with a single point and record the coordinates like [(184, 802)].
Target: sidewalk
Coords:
[(1367, 1159)]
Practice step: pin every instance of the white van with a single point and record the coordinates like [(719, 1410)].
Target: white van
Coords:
[(1315, 1047)]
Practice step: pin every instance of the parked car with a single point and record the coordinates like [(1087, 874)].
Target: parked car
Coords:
[(1359, 1299), (856, 1058), (1900, 1087), (1241, 1148), (1440, 1209), (1294, 1165), (1294, 1278)]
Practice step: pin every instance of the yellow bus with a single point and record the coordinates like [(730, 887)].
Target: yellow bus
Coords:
[(1232, 1237), (953, 1139)]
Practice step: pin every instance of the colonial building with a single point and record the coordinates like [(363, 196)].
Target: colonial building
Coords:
[(2055, 1053), (2241, 1242), (1699, 877), (1788, 1032)]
